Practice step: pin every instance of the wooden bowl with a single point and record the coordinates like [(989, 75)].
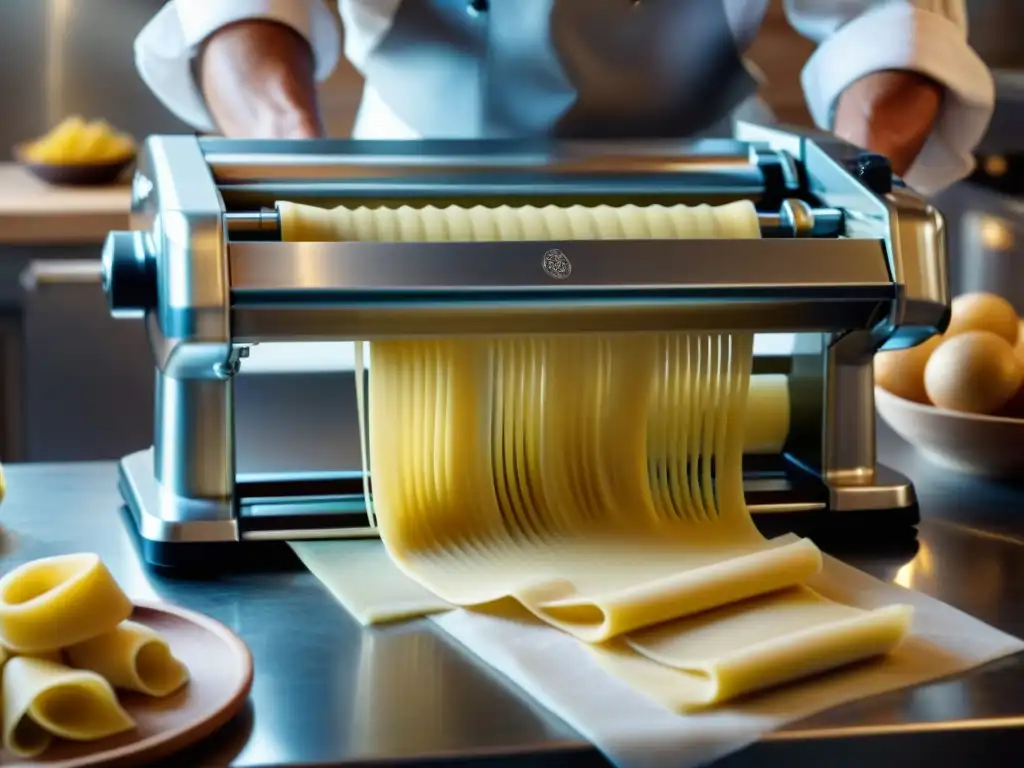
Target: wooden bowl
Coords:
[(76, 174), (986, 446)]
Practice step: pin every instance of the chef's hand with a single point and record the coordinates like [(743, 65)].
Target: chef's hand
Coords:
[(891, 113), (258, 81)]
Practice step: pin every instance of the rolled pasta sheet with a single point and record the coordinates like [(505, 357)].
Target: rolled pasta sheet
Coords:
[(6, 654), (740, 649), (132, 657), (307, 223), (54, 602), (43, 700)]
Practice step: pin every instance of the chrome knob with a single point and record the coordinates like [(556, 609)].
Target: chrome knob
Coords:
[(129, 274)]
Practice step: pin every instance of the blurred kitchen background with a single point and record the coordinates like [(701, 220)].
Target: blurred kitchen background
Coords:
[(76, 385)]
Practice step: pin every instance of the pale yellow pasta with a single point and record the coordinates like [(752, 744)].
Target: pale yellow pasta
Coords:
[(75, 141), (132, 657), (54, 656), (766, 425), (58, 601), (739, 649), (597, 479), (406, 224), (43, 700)]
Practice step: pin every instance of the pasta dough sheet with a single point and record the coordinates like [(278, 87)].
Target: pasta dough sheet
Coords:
[(750, 646), (42, 699), (596, 479), (306, 223), (132, 657), (57, 601), (389, 595)]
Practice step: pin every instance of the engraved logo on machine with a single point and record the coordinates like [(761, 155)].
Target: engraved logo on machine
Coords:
[(556, 264)]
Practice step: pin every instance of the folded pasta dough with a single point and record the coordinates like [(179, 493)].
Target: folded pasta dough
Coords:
[(42, 700), (739, 649), (132, 657), (597, 479), (58, 601), (564, 486)]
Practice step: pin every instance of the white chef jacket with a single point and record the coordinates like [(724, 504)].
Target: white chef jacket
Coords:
[(855, 38)]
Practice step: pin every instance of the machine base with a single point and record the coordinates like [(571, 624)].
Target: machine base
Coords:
[(193, 538)]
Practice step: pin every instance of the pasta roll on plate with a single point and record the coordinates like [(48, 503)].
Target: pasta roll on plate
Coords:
[(133, 657), (58, 601), (43, 700)]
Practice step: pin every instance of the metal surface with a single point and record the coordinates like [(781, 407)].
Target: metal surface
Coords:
[(235, 161), (330, 693), (175, 203), (331, 172)]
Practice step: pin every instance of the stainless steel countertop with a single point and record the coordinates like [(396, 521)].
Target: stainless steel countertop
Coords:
[(329, 693)]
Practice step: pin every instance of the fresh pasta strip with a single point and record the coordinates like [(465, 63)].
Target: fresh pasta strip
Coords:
[(132, 657), (58, 601), (43, 700), (740, 649), (597, 479), (389, 596), (597, 617), (561, 478)]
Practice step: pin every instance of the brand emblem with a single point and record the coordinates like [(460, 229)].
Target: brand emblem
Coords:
[(556, 264)]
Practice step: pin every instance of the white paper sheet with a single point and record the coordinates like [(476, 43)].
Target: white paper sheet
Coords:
[(636, 732)]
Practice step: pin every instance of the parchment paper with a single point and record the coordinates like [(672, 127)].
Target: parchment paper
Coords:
[(636, 732)]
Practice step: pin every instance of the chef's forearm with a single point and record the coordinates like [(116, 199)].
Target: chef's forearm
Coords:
[(258, 80), (892, 113)]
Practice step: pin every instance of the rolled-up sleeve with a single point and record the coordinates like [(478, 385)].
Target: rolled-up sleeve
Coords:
[(165, 47), (858, 37)]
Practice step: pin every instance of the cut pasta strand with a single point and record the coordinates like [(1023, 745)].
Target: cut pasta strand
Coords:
[(596, 479)]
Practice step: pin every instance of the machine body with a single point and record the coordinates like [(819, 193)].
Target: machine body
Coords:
[(851, 261)]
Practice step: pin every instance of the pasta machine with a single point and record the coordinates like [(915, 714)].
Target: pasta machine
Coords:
[(851, 262)]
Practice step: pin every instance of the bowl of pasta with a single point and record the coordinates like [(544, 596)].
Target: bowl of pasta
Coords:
[(78, 153)]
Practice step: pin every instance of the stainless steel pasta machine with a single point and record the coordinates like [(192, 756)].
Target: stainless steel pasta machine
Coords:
[(852, 261)]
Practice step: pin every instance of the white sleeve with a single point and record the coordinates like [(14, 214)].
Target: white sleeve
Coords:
[(165, 47), (859, 37)]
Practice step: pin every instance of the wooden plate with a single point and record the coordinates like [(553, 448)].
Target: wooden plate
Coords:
[(221, 672)]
